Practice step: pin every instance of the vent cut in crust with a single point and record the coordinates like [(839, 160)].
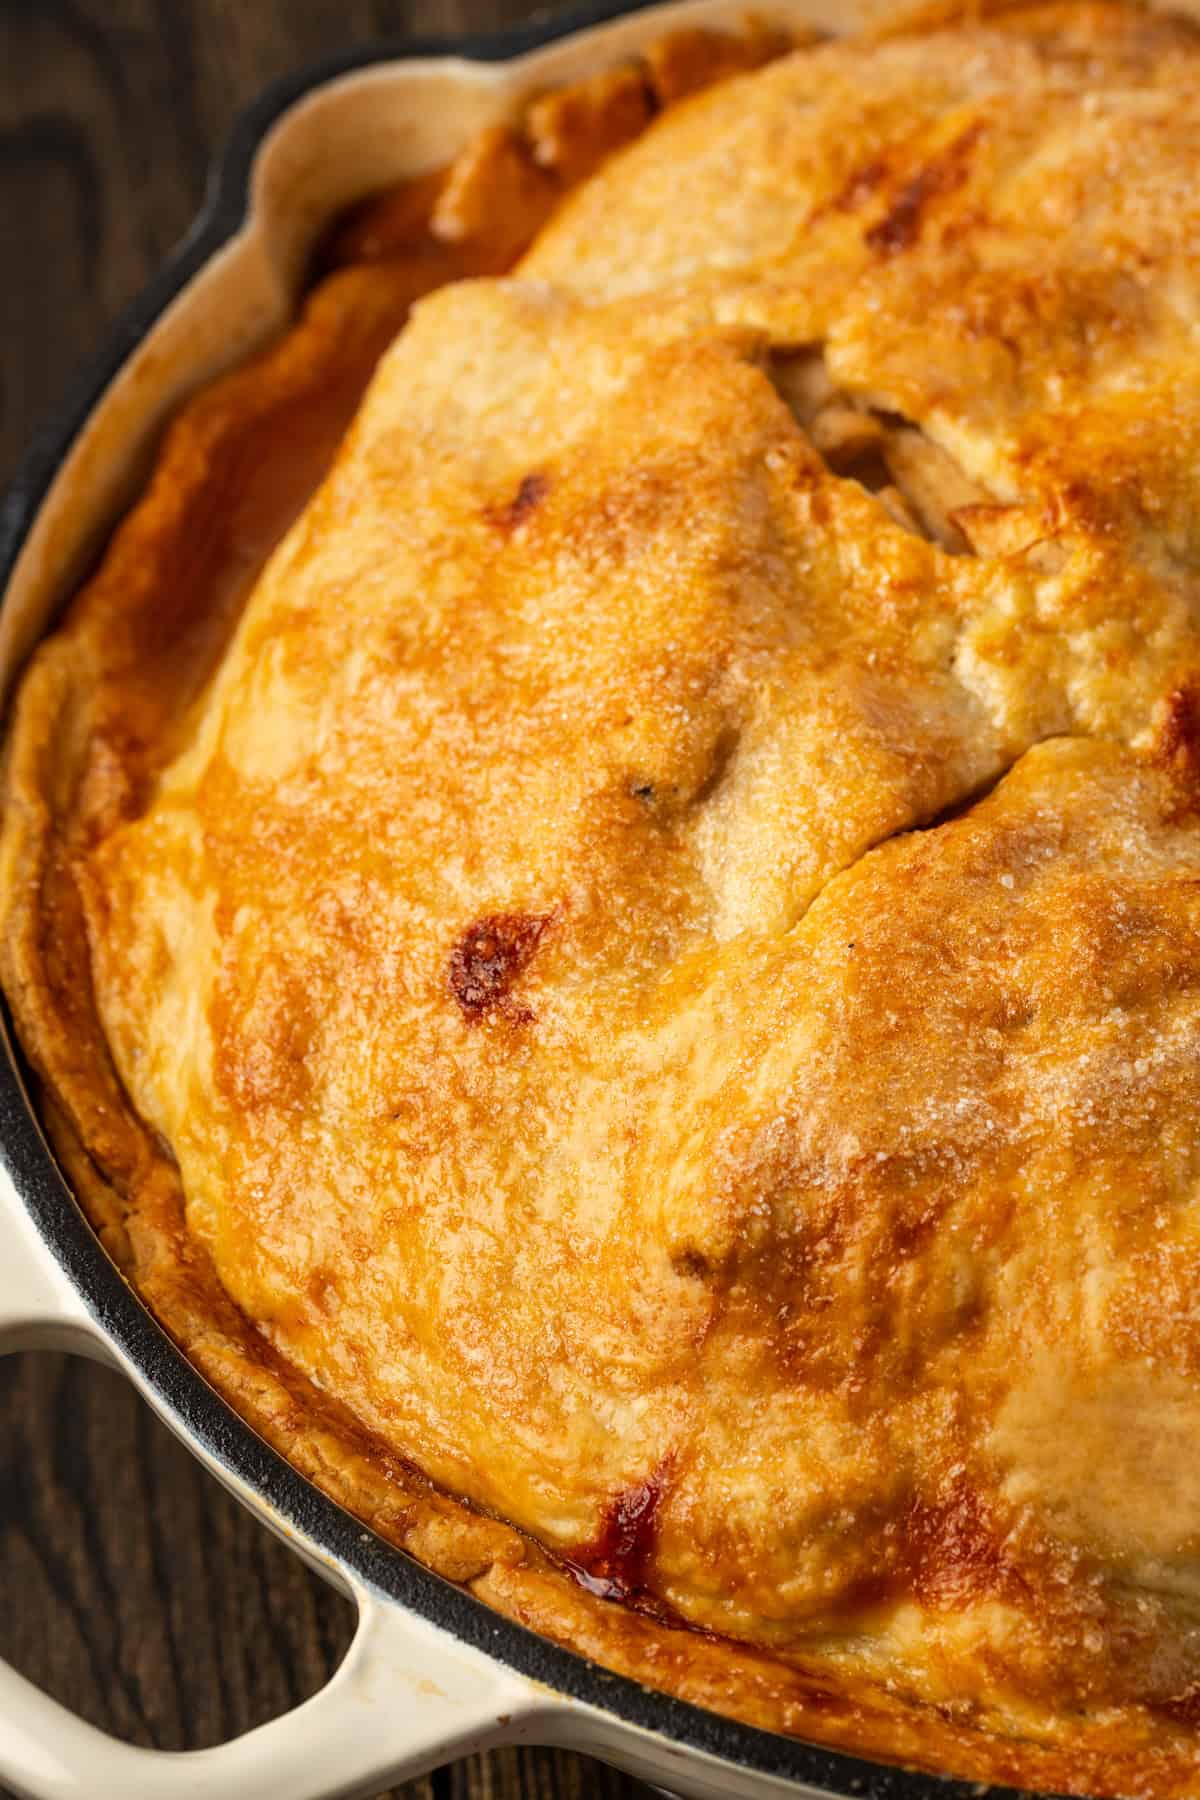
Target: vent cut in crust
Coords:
[(604, 884)]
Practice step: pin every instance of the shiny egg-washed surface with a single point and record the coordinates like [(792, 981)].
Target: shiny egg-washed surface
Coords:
[(667, 954)]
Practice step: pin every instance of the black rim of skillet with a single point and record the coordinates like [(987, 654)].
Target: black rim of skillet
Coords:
[(179, 1389)]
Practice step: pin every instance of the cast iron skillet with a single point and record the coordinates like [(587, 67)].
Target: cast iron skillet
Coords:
[(204, 1419)]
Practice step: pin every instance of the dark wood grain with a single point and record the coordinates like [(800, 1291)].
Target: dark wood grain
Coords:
[(132, 1588)]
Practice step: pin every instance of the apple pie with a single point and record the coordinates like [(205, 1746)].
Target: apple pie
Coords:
[(603, 885)]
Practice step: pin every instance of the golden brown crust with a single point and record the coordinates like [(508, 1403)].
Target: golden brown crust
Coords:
[(509, 178), (835, 1176)]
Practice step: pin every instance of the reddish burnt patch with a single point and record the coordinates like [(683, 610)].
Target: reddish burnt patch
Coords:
[(947, 1551), (615, 1565), (909, 1232), (954, 1551), (488, 958), (692, 1264), (860, 184), (1177, 743), (901, 225), (527, 499)]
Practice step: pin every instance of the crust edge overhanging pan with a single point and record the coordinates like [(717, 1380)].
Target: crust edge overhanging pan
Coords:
[(433, 1673)]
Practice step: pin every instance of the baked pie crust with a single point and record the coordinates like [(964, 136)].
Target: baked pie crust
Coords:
[(619, 961)]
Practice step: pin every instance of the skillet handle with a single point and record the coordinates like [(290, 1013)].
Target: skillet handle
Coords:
[(39, 1308), (406, 1699), (402, 1703)]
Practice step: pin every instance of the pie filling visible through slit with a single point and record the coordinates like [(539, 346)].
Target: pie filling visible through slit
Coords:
[(603, 886)]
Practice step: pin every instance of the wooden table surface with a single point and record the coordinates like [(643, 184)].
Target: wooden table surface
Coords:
[(131, 1587)]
